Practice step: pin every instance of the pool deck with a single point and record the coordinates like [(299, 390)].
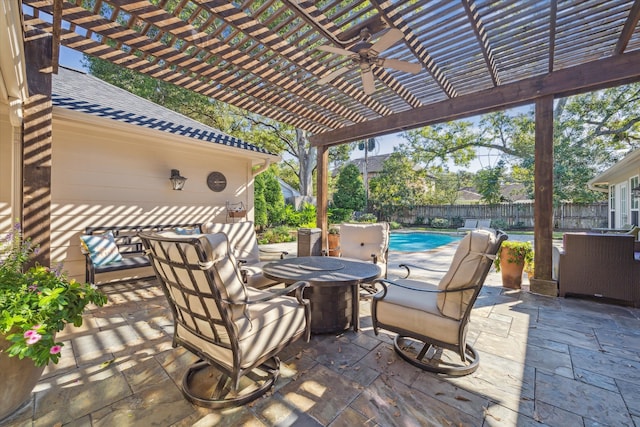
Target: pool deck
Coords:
[(544, 361)]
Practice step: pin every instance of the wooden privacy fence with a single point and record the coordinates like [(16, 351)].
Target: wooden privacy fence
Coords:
[(567, 216)]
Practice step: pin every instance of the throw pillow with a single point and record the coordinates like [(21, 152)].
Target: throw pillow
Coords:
[(102, 248), (187, 231)]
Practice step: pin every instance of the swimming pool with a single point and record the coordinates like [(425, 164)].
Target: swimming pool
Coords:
[(417, 241)]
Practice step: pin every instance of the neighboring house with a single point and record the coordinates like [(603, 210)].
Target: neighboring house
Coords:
[(112, 155), (293, 196), (618, 182)]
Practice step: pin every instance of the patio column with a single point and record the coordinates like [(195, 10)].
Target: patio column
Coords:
[(543, 195), (322, 217), (36, 144)]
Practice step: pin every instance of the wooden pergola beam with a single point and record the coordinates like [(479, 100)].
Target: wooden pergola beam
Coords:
[(629, 27), (587, 77)]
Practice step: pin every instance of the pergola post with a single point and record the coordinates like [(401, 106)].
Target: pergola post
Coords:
[(36, 145), (543, 195), (322, 217)]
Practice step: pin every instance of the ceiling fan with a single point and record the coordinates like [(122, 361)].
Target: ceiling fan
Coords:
[(366, 56)]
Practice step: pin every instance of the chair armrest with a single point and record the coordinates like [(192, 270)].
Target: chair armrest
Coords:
[(298, 287), (384, 282), (374, 257), (409, 266), (266, 251)]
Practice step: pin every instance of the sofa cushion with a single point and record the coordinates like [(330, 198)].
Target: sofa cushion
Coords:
[(101, 248)]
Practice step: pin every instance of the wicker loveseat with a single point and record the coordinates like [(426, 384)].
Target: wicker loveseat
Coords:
[(600, 265)]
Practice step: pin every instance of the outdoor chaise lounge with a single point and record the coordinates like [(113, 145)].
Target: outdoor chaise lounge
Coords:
[(469, 224), (237, 331), (429, 318)]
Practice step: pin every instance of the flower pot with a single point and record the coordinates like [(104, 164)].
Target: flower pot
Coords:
[(511, 271), (334, 244), (18, 378)]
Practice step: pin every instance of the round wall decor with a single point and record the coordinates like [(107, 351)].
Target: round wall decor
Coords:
[(216, 181)]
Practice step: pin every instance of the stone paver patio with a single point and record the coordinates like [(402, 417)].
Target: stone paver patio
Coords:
[(544, 361)]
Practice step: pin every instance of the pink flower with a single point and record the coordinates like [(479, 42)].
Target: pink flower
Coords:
[(55, 349), (30, 333), (36, 327), (33, 338)]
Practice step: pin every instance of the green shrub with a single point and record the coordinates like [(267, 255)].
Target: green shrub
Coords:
[(395, 225), (419, 220), (439, 223), (368, 217), (499, 223), (276, 235), (340, 215)]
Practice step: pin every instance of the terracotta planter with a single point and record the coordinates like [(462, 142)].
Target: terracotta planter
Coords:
[(18, 378), (334, 244), (511, 271)]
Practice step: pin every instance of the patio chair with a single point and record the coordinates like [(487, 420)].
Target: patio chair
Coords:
[(236, 331), (244, 245), (430, 319), (484, 223), (469, 224)]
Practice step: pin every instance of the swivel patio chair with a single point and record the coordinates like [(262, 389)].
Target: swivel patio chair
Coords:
[(244, 246), (366, 242), (431, 320), (235, 330)]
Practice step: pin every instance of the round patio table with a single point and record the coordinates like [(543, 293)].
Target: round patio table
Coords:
[(334, 287)]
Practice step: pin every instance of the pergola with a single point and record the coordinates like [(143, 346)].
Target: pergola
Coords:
[(342, 70)]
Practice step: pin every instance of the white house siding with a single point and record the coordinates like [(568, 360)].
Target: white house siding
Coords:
[(106, 173), (5, 169)]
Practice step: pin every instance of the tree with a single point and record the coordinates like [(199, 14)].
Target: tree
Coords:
[(350, 192), (488, 183), (259, 204), (397, 186), (273, 198)]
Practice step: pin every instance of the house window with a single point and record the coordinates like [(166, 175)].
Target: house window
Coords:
[(612, 206), (635, 201), (624, 206)]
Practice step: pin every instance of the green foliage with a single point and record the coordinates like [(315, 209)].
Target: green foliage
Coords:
[(37, 303), (259, 202), (395, 225), (488, 183), (273, 198), (276, 235), (500, 224), (519, 253), (338, 215), (333, 230), (306, 217), (350, 193), (398, 186), (368, 217), (439, 223)]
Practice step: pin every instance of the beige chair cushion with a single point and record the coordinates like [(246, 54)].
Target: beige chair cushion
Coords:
[(254, 275), (464, 270), (360, 241), (272, 323), (416, 311), (242, 239)]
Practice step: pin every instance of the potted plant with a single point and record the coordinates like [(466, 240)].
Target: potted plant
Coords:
[(35, 304), (333, 238), (511, 260)]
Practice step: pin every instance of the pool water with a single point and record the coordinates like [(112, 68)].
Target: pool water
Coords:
[(419, 241)]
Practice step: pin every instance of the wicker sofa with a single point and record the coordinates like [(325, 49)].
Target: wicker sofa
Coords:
[(600, 265)]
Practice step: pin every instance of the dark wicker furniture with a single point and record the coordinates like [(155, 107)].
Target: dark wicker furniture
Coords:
[(603, 266)]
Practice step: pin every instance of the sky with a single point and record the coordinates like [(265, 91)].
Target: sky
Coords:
[(385, 144)]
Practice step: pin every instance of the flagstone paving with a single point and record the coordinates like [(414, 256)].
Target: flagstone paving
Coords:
[(544, 361)]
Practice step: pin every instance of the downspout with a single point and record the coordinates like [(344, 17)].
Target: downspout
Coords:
[(263, 167)]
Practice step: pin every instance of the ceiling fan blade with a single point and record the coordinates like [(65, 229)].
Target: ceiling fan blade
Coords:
[(368, 84), (337, 50), (387, 40), (406, 66), (331, 76)]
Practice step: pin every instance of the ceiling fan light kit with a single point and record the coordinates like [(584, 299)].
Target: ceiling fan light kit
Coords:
[(366, 56)]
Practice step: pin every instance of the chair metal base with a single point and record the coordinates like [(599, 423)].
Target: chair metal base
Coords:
[(206, 386), (404, 346)]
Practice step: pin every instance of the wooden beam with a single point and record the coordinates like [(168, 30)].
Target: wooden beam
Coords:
[(36, 151), (57, 27), (543, 188), (587, 77), (553, 18), (628, 29), (483, 39), (322, 216)]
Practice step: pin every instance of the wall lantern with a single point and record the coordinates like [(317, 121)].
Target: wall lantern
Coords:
[(635, 191), (177, 181)]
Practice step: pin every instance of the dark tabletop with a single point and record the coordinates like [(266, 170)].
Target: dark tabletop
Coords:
[(322, 270)]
